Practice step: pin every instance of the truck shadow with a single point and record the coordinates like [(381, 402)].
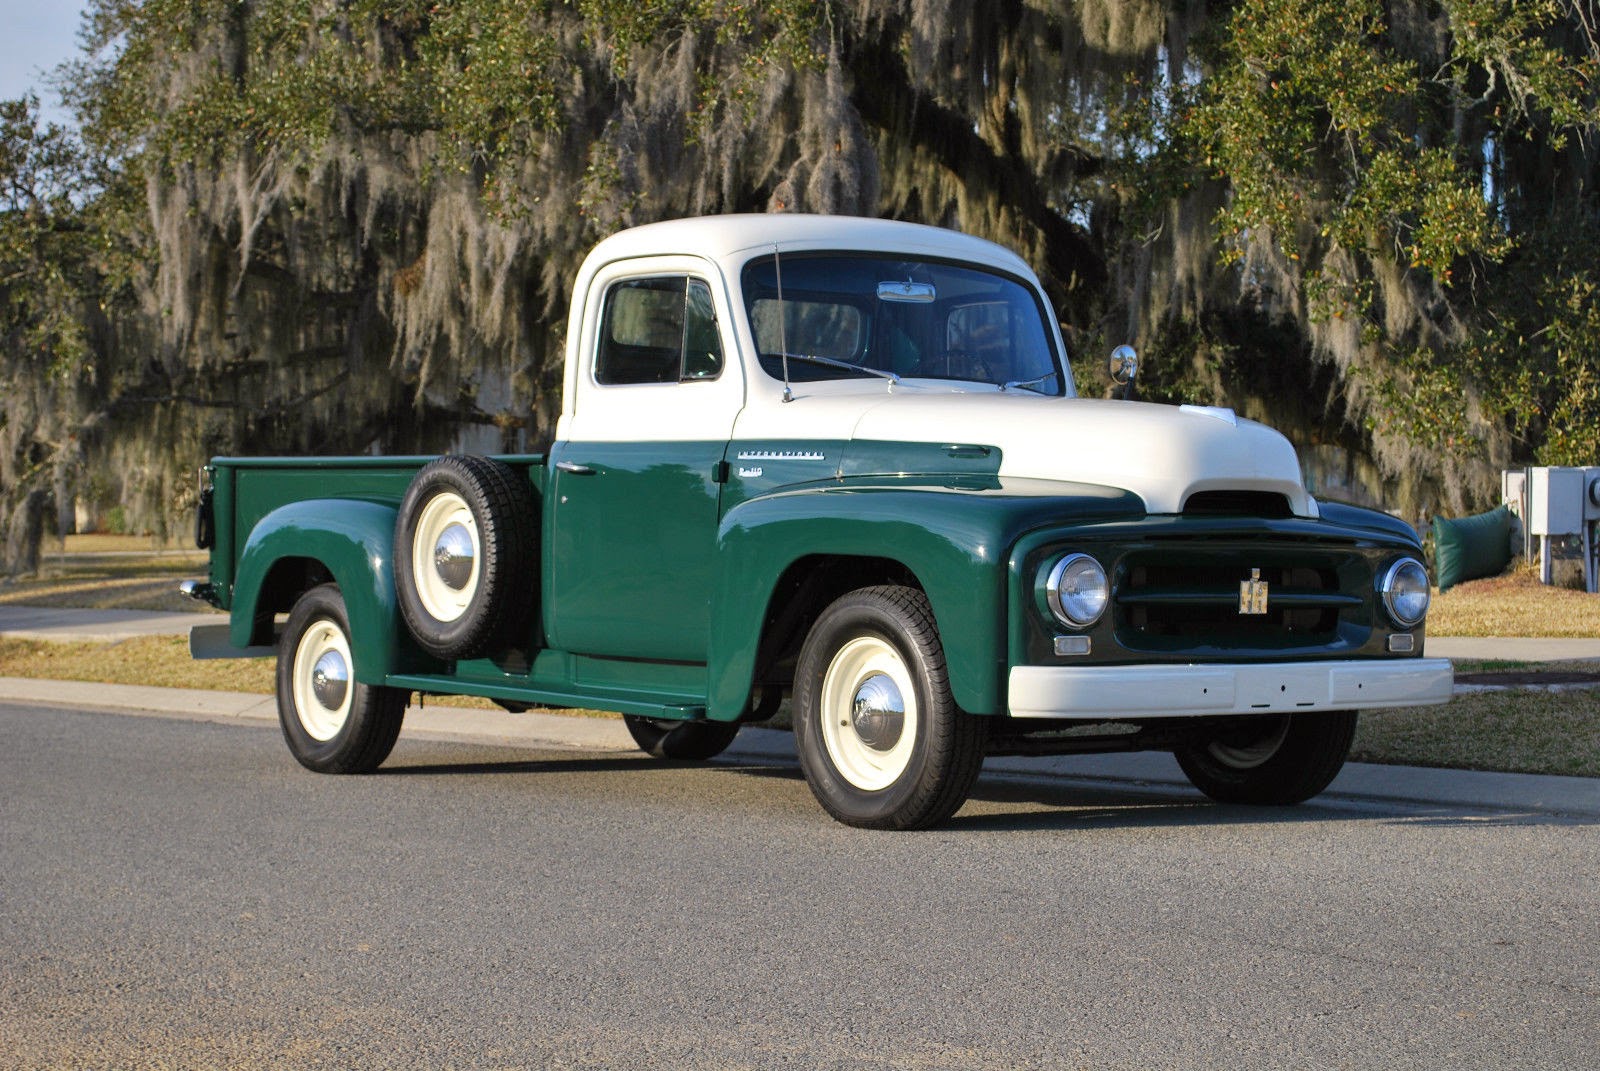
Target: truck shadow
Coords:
[(558, 764), (1009, 803), (1004, 804)]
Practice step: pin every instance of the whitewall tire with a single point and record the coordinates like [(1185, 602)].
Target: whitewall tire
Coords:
[(880, 738), (331, 722)]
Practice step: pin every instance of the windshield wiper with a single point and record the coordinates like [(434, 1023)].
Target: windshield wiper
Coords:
[(1030, 383), (845, 365)]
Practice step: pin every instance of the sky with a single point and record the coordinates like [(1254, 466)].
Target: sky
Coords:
[(38, 35)]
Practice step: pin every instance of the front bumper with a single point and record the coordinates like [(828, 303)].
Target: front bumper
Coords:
[(1167, 691)]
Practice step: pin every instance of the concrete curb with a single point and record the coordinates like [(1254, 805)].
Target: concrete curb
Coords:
[(1577, 797)]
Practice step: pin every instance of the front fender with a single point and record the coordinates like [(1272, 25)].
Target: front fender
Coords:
[(354, 541), (955, 541)]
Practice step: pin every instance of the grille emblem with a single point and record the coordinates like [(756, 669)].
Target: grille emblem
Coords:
[(1253, 594)]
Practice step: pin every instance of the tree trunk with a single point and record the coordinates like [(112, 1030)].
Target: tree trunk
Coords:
[(25, 533)]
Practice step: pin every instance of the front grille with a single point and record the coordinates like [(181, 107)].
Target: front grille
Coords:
[(1186, 597)]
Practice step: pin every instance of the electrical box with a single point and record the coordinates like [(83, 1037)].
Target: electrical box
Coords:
[(1591, 493), (1556, 501)]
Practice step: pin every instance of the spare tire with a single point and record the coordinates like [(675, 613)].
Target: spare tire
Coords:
[(465, 555)]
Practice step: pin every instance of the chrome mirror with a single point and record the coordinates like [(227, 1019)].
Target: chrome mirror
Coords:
[(1123, 364)]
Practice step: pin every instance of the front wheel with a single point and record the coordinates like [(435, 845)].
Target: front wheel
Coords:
[(880, 738), (1271, 760), (332, 722)]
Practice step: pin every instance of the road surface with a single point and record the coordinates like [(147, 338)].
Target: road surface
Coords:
[(181, 894)]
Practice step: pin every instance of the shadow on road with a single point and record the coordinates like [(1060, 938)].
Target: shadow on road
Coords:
[(1012, 803)]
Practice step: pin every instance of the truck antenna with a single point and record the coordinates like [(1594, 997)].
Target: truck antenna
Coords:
[(783, 341)]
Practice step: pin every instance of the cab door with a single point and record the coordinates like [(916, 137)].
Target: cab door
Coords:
[(636, 470)]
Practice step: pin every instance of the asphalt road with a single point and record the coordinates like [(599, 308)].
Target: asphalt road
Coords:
[(181, 894)]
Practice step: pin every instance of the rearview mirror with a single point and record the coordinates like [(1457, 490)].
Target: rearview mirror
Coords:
[(1123, 364)]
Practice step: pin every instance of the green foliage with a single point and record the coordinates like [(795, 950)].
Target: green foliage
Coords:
[(346, 224), (1312, 120), (204, 81)]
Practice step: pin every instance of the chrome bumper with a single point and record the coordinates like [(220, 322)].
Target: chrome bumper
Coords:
[(1167, 691)]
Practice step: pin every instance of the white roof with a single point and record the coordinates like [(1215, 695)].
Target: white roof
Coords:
[(718, 238)]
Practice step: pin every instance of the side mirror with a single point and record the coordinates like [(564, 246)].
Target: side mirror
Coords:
[(1123, 364)]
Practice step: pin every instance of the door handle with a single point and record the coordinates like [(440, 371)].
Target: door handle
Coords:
[(574, 468)]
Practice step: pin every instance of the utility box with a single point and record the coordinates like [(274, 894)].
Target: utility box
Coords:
[(1555, 501), (1565, 502)]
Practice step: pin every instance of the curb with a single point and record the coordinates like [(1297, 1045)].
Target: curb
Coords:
[(1572, 797)]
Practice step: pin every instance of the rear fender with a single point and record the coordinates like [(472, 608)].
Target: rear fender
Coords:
[(353, 540)]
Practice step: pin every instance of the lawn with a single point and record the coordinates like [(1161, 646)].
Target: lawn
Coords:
[(1514, 604)]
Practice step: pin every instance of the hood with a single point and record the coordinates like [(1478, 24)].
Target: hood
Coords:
[(1161, 453)]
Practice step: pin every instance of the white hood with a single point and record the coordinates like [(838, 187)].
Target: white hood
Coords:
[(1161, 453)]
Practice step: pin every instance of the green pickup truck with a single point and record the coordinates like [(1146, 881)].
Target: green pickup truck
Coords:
[(838, 461)]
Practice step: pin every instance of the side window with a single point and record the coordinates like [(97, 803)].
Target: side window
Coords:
[(702, 345), (658, 330)]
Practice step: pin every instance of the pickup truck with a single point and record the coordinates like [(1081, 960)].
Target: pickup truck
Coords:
[(839, 462)]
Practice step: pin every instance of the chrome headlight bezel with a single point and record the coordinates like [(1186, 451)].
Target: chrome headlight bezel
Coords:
[(1403, 583), (1065, 591)]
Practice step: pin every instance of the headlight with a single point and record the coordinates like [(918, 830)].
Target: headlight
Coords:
[(1405, 592), (1077, 591)]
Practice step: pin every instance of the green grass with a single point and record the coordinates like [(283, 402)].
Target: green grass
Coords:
[(1515, 731)]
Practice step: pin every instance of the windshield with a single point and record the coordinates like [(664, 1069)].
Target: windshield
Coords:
[(853, 314)]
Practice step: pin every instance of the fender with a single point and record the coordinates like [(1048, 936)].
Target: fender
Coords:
[(354, 540), (955, 537)]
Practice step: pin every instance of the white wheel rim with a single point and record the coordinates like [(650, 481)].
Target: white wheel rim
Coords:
[(445, 529), (865, 749), (323, 682), (1253, 754)]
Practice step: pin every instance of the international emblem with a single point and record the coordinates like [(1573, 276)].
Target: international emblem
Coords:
[(1253, 594)]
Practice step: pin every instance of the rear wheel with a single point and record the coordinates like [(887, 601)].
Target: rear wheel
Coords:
[(331, 722), (685, 740), (880, 738), (1271, 760)]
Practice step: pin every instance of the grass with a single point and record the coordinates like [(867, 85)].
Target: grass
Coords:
[(1514, 604), (1515, 731), (162, 661)]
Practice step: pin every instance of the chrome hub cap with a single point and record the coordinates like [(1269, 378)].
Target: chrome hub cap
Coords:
[(321, 680), (446, 556), (879, 713), (867, 715), (330, 679), (453, 556)]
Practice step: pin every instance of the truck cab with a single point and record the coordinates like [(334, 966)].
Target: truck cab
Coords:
[(839, 463)]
